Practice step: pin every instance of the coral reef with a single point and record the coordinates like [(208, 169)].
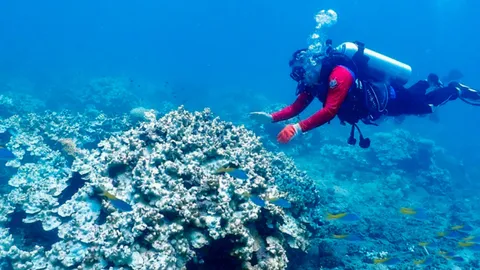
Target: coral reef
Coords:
[(109, 94), (53, 127), (401, 153), (182, 214), (186, 217), (12, 103), (40, 172), (398, 170)]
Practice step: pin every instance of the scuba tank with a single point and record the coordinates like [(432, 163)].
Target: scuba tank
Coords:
[(375, 65)]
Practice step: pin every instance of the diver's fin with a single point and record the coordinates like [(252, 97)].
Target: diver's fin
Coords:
[(467, 94), (453, 75)]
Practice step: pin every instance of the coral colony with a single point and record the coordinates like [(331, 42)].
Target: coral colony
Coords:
[(175, 209), (176, 189)]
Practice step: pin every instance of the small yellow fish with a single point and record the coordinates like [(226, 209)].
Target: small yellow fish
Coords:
[(345, 217), (466, 244), (418, 262), (387, 261), (116, 202), (462, 228), (336, 216), (348, 237), (441, 234), (407, 211), (233, 170), (340, 236), (226, 168), (109, 195), (426, 244), (450, 256), (469, 238), (377, 261), (417, 213), (424, 261), (456, 227)]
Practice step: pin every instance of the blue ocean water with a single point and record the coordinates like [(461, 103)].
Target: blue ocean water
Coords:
[(93, 57)]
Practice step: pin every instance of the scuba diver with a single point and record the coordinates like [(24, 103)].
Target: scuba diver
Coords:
[(358, 84)]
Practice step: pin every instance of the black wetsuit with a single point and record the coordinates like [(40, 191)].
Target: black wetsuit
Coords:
[(416, 101)]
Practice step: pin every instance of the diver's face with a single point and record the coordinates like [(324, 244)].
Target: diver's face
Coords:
[(298, 73), (297, 65), (305, 68)]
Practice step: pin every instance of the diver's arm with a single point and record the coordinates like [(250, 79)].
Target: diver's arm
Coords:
[(302, 101), (340, 81)]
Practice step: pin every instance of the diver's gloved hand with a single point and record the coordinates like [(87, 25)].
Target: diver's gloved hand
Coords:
[(261, 117), (288, 133)]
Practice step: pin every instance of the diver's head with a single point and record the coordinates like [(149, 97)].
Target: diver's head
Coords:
[(305, 66), (297, 64)]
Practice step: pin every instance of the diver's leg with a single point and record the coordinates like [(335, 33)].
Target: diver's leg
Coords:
[(453, 91), (419, 89), (441, 95), (408, 103)]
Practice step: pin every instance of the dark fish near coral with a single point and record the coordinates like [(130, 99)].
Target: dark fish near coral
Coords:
[(345, 217), (456, 258), (233, 171), (6, 154), (117, 203), (240, 174), (450, 255), (257, 200), (280, 202)]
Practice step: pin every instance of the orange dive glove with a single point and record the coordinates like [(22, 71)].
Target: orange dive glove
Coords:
[(288, 133)]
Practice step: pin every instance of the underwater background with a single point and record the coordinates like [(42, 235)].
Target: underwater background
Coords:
[(89, 102)]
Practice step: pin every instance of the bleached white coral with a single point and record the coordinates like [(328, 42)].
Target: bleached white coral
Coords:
[(180, 206)]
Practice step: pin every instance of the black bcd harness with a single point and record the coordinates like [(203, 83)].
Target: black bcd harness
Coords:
[(374, 96)]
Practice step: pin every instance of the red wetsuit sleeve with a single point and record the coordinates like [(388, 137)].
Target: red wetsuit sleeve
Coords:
[(335, 96), (302, 101)]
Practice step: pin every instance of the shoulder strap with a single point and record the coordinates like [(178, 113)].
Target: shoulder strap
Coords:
[(361, 60)]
